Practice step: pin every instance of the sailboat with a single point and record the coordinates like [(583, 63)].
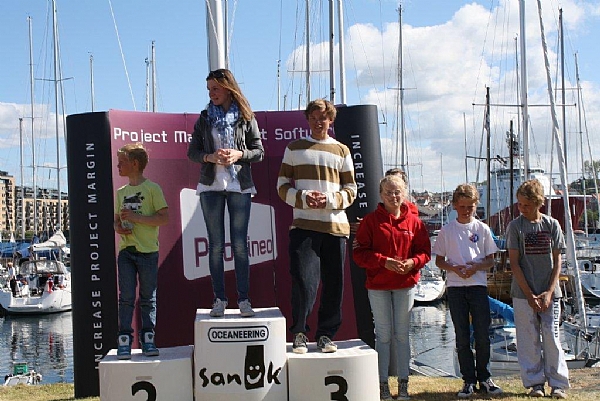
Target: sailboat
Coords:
[(43, 280)]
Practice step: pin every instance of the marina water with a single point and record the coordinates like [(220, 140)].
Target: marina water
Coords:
[(46, 342)]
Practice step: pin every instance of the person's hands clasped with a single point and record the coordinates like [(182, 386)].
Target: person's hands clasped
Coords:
[(399, 266), (316, 200), (225, 157), (539, 303)]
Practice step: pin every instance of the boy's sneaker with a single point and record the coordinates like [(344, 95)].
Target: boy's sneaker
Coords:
[(245, 308), (148, 347), (218, 308), (537, 391), (326, 345), (558, 392), (467, 391), (384, 392), (124, 346), (489, 387), (403, 390), (299, 346)]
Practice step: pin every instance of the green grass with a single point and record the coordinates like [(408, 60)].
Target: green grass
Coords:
[(585, 386)]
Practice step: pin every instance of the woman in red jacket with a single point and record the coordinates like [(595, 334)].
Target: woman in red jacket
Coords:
[(393, 245)]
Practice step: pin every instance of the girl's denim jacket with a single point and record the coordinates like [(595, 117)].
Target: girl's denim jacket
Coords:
[(247, 139)]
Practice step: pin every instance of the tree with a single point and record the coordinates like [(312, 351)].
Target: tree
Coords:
[(591, 169)]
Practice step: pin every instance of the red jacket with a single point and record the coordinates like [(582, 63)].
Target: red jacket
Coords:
[(382, 235)]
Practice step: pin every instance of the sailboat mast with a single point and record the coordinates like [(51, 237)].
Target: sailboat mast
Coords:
[(562, 73), (153, 76), (147, 61), (488, 157), (226, 32), (442, 188), (22, 181), (512, 170), (342, 57), (524, 104), (33, 166), (403, 162), (214, 29), (331, 48), (466, 160), (92, 80), (56, 88), (307, 51)]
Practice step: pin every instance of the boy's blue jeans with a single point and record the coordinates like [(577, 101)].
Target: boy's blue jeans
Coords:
[(316, 258), (134, 266), (213, 209), (470, 306)]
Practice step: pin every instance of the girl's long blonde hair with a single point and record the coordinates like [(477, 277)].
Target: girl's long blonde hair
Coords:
[(225, 78)]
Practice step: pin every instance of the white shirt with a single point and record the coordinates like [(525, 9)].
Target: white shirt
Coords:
[(461, 243)]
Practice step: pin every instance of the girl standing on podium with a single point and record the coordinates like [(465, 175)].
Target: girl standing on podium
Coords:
[(225, 141)]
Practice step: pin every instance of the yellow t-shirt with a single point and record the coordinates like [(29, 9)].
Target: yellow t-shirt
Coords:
[(145, 199)]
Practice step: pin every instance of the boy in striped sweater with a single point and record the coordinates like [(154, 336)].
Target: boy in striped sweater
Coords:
[(316, 178)]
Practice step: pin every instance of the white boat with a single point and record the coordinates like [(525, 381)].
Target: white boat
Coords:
[(580, 341), (43, 284), (22, 375), (431, 286), (589, 275), (587, 251)]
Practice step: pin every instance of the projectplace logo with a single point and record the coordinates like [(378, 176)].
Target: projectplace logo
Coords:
[(262, 244)]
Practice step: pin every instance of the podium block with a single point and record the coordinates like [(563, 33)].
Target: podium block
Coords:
[(164, 377), (351, 373), (239, 358)]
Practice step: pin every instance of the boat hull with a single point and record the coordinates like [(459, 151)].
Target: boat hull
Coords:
[(590, 282), (427, 291), (57, 301)]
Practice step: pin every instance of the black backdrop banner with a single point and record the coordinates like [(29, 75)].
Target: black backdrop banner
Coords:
[(92, 239), (357, 127), (183, 278)]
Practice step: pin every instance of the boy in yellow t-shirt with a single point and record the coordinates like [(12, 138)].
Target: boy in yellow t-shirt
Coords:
[(140, 208)]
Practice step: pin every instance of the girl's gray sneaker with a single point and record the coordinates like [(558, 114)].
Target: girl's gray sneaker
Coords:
[(245, 308), (218, 309)]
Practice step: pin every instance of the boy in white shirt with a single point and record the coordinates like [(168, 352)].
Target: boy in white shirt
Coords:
[(465, 249)]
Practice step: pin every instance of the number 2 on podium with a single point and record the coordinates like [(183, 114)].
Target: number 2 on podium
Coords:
[(144, 386)]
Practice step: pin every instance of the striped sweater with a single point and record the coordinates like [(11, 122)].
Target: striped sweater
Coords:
[(318, 165)]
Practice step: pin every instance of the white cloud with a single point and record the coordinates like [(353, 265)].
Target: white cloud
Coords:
[(446, 70)]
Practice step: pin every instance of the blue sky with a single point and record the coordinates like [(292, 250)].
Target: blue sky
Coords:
[(452, 50)]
